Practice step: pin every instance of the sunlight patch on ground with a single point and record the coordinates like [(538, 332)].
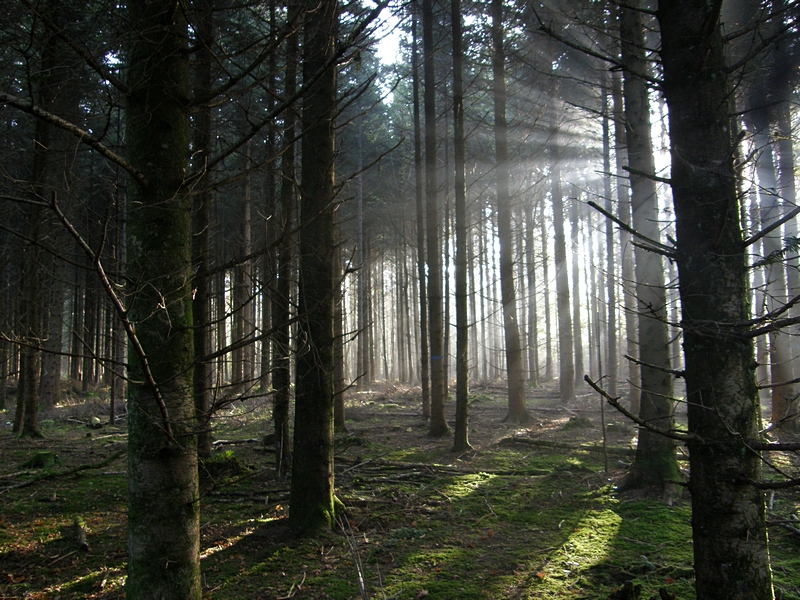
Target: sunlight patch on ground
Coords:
[(230, 541), (465, 485), (590, 541)]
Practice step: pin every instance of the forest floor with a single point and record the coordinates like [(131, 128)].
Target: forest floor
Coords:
[(529, 512)]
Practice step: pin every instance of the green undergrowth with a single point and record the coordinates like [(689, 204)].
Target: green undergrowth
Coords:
[(506, 520)]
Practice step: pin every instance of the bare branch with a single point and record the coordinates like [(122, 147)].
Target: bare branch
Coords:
[(772, 485), (774, 446), (682, 437), (84, 136), (122, 314), (653, 245), (774, 326), (674, 372), (772, 227), (651, 176)]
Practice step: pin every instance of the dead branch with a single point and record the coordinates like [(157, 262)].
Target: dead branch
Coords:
[(122, 314), (675, 372), (87, 138), (772, 227), (772, 485), (652, 245), (655, 178), (682, 437)]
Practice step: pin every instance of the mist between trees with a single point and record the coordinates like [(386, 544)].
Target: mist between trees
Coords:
[(204, 202)]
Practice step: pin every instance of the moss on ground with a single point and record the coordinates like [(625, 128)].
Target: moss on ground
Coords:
[(507, 520)]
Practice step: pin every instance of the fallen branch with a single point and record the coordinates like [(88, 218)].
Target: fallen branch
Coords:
[(64, 473), (565, 446), (235, 442)]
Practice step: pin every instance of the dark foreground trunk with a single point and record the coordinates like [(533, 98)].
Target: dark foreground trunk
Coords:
[(311, 501), (163, 504), (728, 515)]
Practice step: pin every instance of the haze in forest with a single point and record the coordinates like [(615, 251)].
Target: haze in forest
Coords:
[(207, 203)]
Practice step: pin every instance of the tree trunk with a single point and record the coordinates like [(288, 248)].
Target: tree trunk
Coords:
[(338, 337), (76, 325), (201, 226), (577, 327), (461, 437), (780, 359), (517, 411), (311, 506), (612, 346), (50, 391), (362, 273), (728, 516), (656, 462), (548, 328), (90, 324), (438, 425), (626, 247), (163, 500), (566, 366), (281, 305), (533, 313)]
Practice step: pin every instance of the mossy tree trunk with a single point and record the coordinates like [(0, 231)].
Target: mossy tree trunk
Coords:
[(163, 504), (311, 503), (729, 533)]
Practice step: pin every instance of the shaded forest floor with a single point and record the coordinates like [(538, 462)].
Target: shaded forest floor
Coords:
[(530, 512)]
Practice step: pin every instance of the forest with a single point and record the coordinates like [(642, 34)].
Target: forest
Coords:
[(399, 299)]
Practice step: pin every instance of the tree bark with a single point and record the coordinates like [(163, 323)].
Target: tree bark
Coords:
[(163, 501), (311, 502), (548, 328), (533, 313), (577, 327), (338, 336), (728, 515)]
